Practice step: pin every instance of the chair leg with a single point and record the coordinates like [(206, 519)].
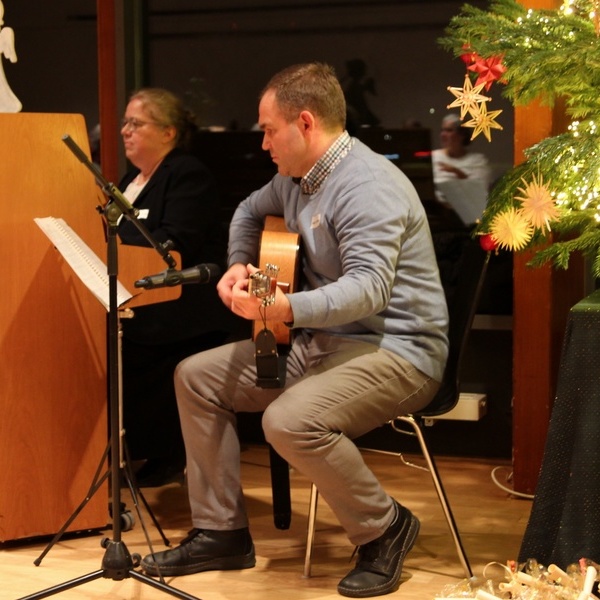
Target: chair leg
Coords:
[(310, 534), (280, 486), (439, 488)]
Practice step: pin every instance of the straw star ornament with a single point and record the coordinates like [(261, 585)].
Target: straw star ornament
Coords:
[(482, 121), (468, 97), (537, 203), (511, 230)]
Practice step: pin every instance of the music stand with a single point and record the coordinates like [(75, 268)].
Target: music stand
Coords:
[(118, 563)]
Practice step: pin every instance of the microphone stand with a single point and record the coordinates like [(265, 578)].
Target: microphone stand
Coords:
[(118, 563), (125, 207)]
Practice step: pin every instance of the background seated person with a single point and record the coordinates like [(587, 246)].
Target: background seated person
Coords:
[(461, 177)]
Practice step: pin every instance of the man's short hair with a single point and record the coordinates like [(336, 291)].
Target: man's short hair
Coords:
[(313, 87)]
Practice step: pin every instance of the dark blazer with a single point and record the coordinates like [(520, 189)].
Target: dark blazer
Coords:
[(180, 203)]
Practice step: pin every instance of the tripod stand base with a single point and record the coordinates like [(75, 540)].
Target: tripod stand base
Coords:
[(117, 565)]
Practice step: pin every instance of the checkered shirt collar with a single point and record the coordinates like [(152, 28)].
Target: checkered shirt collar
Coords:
[(312, 181)]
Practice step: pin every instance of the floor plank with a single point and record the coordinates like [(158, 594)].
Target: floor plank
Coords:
[(490, 520)]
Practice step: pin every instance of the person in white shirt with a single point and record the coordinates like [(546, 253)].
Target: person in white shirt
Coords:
[(455, 161)]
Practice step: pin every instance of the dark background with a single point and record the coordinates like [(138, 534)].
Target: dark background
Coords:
[(219, 54)]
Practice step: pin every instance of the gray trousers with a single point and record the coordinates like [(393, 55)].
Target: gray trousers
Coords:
[(336, 389)]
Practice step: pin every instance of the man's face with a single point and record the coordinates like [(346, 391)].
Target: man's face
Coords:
[(450, 136), (285, 141)]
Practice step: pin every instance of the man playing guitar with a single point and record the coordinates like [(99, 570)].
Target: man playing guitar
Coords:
[(369, 318)]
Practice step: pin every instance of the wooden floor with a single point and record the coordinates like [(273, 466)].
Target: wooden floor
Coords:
[(491, 522)]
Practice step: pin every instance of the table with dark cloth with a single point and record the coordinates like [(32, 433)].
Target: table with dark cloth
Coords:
[(564, 525)]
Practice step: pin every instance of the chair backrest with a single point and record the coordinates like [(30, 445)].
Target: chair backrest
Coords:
[(462, 301)]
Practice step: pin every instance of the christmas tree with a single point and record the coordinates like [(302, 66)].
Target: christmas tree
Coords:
[(551, 56)]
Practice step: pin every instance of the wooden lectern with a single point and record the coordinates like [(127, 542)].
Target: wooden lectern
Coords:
[(53, 388)]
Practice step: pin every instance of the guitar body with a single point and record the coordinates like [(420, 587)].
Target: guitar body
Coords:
[(279, 247)]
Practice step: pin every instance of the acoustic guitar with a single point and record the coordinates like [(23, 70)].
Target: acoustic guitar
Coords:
[(279, 247)]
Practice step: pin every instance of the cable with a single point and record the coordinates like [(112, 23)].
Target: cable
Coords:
[(506, 489)]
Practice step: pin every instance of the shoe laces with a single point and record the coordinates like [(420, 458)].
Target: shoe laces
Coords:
[(370, 552), (190, 536), (367, 552)]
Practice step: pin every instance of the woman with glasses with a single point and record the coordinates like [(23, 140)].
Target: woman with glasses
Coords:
[(177, 200)]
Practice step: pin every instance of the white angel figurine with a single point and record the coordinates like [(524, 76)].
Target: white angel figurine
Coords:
[(8, 101)]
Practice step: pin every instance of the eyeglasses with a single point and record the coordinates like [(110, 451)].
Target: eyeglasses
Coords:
[(135, 124)]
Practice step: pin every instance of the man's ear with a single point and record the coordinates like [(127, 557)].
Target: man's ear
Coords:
[(307, 121)]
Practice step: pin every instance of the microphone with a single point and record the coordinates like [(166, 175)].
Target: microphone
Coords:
[(199, 274)]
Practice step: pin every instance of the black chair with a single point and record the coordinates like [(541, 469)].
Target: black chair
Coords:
[(462, 300)]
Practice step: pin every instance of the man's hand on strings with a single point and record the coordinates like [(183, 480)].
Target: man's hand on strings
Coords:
[(235, 273)]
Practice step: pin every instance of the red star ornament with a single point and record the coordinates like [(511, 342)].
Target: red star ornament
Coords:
[(488, 70)]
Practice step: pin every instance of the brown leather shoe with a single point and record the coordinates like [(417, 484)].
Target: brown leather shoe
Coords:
[(379, 563), (204, 550)]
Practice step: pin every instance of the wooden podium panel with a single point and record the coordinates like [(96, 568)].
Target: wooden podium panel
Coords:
[(53, 388), (135, 263)]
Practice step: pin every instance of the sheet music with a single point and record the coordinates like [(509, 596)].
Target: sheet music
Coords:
[(82, 259)]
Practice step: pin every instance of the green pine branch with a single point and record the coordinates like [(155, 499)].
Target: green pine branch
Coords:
[(548, 56)]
